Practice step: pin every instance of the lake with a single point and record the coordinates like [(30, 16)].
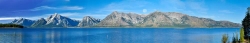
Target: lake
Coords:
[(115, 35)]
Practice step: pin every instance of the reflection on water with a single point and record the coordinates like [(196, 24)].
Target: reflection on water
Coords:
[(11, 37), (111, 35)]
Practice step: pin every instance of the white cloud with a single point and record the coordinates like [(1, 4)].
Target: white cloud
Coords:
[(225, 11), (57, 8), (9, 18), (144, 10), (71, 8)]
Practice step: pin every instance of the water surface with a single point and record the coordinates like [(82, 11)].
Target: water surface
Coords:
[(115, 35)]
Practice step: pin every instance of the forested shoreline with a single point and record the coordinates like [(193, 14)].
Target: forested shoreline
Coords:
[(11, 26)]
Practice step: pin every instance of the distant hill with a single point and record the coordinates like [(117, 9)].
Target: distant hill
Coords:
[(121, 19)]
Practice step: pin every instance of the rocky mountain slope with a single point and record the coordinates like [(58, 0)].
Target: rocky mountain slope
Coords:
[(23, 21), (88, 21), (120, 19), (161, 19), (39, 23)]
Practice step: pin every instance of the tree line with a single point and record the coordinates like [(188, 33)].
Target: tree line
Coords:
[(11, 25)]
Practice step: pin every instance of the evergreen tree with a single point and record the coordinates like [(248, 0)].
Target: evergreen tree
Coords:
[(246, 23)]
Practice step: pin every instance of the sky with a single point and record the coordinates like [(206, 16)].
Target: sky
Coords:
[(229, 10)]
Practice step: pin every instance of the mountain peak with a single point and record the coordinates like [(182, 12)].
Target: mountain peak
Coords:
[(15, 19), (42, 19), (87, 17), (175, 13), (88, 21), (58, 20), (21, 18), (157, 11), (116, 12), (56, 14)]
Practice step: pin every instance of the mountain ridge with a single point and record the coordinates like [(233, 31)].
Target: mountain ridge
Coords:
[(121, 19), (161, 19)]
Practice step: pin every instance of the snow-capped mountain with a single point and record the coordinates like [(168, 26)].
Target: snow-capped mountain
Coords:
[(88, 21), (57, 20), (23, 21), (120, 19)]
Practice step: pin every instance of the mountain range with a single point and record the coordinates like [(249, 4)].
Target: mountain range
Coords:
[(121, 19)]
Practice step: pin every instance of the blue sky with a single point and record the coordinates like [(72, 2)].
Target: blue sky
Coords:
[(230, 10)]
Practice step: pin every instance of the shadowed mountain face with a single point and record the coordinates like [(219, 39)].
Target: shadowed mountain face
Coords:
[(120, 19), (39, 23), (24, 22), (161, 19)]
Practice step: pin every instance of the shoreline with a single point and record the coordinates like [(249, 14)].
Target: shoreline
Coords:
[(9, 27), (138, 27)]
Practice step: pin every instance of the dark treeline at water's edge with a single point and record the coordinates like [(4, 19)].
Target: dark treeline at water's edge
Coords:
[(11, 26)]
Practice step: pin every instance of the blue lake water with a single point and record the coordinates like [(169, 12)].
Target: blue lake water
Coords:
[(115, 35)]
